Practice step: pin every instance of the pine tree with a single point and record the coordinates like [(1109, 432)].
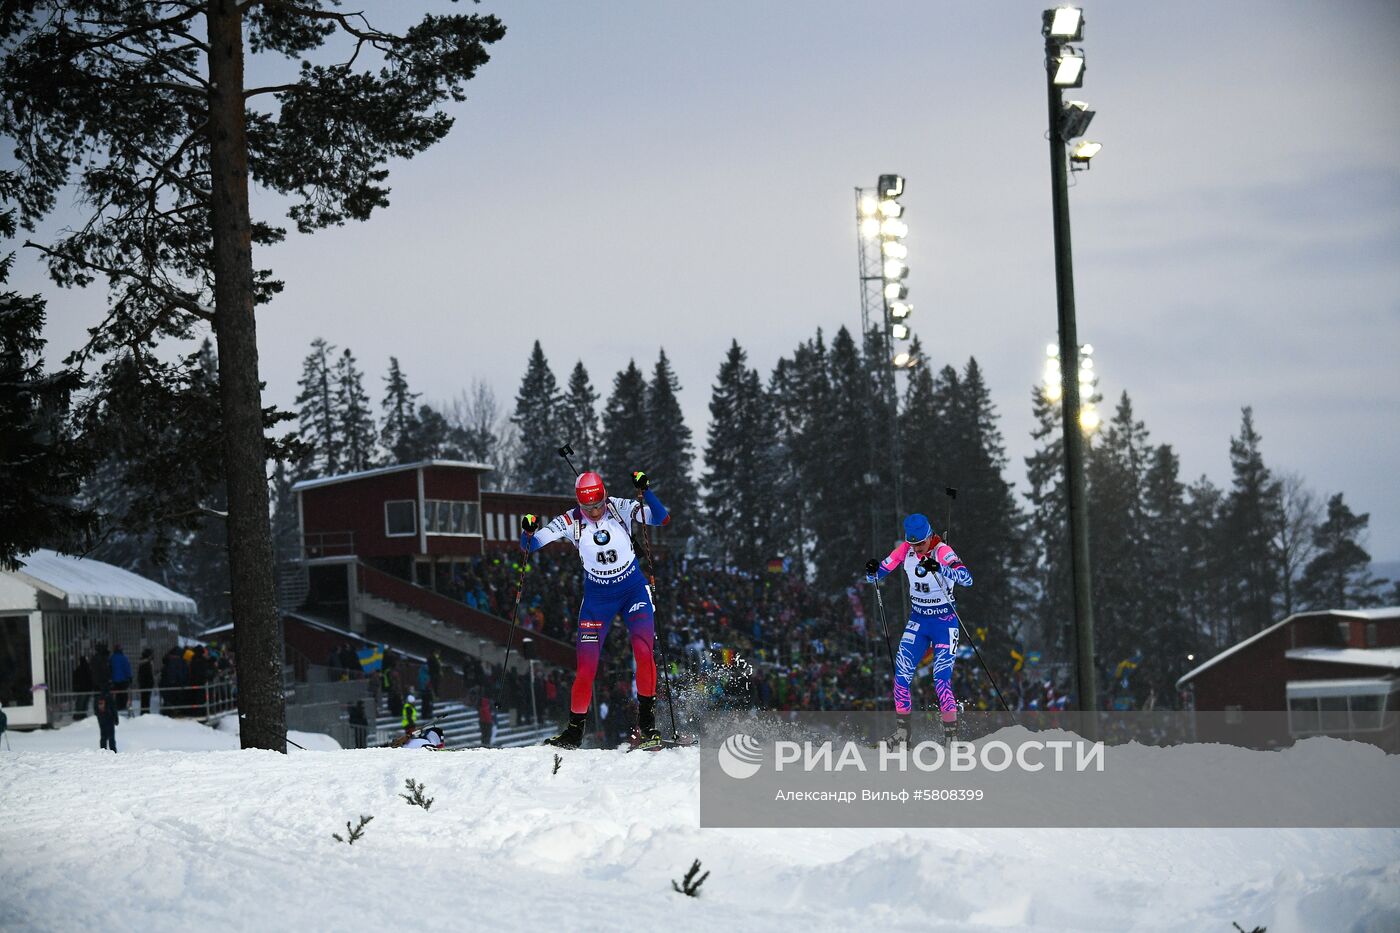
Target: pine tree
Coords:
[(990, 534), (669, 453), (1116, 473), (1339, 577), (578, 415), (845, 461), (41, 463), (1253, 510), (143, 108), (1167, 635), (1207, 566), (1049, 530), (740, 473), (317, 412), (623, 433), (354, 420), (800, 397), (537, 420), (399, 416)]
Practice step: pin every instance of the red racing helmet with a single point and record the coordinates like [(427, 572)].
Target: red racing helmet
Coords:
[(589, 491)]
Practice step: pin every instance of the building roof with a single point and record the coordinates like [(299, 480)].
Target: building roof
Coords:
[(320, 481), (1361, 657), (1362, 686), (84, 583), (1371, 615)]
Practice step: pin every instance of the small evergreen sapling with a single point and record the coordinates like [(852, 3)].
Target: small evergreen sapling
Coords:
[(690, 885), (557, 762), (354, 833), (415, 795)]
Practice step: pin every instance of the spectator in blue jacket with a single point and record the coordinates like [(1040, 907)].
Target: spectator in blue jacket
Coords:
[(121, 677)]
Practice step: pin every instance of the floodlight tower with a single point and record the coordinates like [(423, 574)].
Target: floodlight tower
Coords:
[(883, 292), (1064, 68)]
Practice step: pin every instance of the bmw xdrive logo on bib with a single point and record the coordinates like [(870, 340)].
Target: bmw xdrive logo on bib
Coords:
[(740, 756)]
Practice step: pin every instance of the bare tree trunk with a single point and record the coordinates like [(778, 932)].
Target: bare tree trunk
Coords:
[(257, 635)]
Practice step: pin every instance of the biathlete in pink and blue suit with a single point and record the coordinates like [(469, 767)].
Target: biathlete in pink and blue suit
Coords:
[(932, 569), (600, 529)]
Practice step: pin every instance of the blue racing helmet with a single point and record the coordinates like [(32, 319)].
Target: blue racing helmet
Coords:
[(917, 528)]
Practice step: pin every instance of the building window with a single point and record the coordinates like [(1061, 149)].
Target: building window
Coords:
[(1371, 635), (451, 517), (1302, 715), (1344, 632), (1234, 715), (1366, 712), (399, 518)]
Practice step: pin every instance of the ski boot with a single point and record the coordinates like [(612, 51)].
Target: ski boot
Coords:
[(900, 736), (572, 736), (645, 736), (950, 733)]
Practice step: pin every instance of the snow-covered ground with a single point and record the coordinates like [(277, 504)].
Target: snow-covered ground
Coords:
[(151, 733), (227, 839)]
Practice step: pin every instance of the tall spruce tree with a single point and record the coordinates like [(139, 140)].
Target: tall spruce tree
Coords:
[(842, 467), (1339, 577), (669, 453), (1208, 567), (1253, 510), (741, 472), (1049, 531), (799, 393), (1167, 633), (317, 412), (355, 421), (537, 420), (400, 418), (143, 108), (990, 533), (578, 415), (623, 432)]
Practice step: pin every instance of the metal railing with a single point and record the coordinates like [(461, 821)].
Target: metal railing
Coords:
[(316, 544), (202, 702)]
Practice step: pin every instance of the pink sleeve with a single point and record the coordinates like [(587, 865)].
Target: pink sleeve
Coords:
[(946, 555), (896, 556)]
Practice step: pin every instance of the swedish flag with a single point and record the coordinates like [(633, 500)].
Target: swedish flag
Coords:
[(371, 659)]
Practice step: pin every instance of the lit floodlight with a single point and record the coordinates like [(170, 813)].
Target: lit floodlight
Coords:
[(1053, 391), (894, 249), (896, 291), (870, 227), (895, 270), (868, 205), (1075, 119), (899, 331), (895, 228), (1069, 70), (1065, 23), (890, 186), (891, 208), (1086, 363), (1086, 349), (1085, 151), (1052, 350), (1088, 418), (899, 310), (903, 360)]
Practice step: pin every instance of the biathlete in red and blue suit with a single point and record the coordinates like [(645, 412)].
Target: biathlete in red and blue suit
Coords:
[(600, 529), (932, 569)]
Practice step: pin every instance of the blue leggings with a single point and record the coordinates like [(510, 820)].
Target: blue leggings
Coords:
[(938, 628)]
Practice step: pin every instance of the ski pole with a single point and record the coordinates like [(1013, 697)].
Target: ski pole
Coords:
[(884, 627), (510, 638), (962, 628), (952, 495), (665, 668)]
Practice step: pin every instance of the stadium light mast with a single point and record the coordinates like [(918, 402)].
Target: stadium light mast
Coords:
[(1064, 67), (881, 231)]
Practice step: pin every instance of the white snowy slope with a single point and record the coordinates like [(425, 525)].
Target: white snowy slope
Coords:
[(151, 733), (220, 840)]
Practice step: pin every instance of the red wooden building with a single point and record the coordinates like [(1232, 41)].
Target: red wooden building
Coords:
[(1321, 673), (382, 550)]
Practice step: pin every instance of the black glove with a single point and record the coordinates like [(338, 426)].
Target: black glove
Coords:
[(640, 480), (872, 567), (530, 523), (930, 564)]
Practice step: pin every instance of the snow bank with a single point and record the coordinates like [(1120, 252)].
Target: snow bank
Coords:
[(242, 840), (151, 733)]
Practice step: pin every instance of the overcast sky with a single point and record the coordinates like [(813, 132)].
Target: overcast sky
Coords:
[(630, 176)]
